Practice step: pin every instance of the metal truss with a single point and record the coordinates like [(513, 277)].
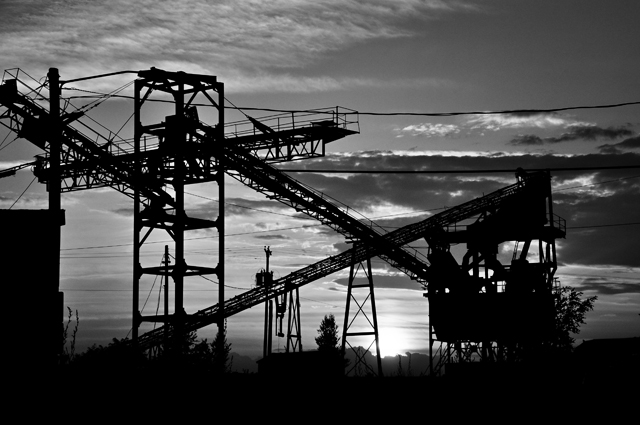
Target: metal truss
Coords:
[(86, 161), (180, 151), (356, 254), (294, 327), (184, 150), (175, 162), (365, 320)]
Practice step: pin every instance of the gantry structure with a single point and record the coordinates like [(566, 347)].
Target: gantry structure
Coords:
[(187, 147)]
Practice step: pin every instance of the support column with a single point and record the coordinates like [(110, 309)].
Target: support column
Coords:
[(294, 335), (364, 318), (221, 195), (178, 186), (268, 306), (55, 305), (137, 221), (166, 297)]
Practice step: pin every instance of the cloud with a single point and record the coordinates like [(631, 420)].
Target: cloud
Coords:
[(497, 122), (610, 286), (627, 144), (384, 281), (526, 140), (10, 164), (272, 237), (261, 81), (24, 202), (576, 132), (592, 132), (125, 211), (256, 42), (611, 199), (432, 130)]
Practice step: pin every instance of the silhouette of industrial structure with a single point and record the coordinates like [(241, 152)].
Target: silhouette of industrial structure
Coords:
[(479, 310)]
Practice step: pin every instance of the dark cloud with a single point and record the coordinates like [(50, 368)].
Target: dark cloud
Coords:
[(627, 144), (420, 192), (342, 246), (125, 211), (385, 281), (271, 237), (595, 216), (576, 132), (244, 207), (526, 114), (592, 132), (609, 286), (233, 207), (526, 140), (614, 199)]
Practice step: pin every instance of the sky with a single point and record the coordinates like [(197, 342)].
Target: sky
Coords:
[(370, 56)]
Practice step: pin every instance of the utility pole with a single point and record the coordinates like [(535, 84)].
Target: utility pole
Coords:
[(54, 189), (166, 297), (268, 306)]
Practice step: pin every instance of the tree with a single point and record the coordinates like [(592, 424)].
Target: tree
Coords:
[(221, 351), (327, 338), (212, 357), (570, 311)]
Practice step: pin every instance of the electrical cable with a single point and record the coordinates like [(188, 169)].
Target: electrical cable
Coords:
[(248, 208), (595, 184), (5, 138), (498, 170), (273, 230), (23, 192), (226, 286), (419, 114), (151, 290), (129, 290), (450, 114), (97, 103), (321, 302), (158, 302), (596, 226), (9, 144)]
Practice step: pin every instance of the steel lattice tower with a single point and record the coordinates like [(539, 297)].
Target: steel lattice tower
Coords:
[(165, 152)]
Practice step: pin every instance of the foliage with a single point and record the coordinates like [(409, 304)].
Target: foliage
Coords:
[(69, 352), (214, 357), (400, 372), (222, 361), (196, 355), (570, 311), (327, 338)]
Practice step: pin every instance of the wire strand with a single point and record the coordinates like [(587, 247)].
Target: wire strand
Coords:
[(595, 184), (497, 170), (23, 192), (396, 113)]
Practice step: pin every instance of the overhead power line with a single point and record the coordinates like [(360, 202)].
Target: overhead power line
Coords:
[(596, 184), (498, 170), (384, 113), (595, 226), (23, 192), (450, 114)]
